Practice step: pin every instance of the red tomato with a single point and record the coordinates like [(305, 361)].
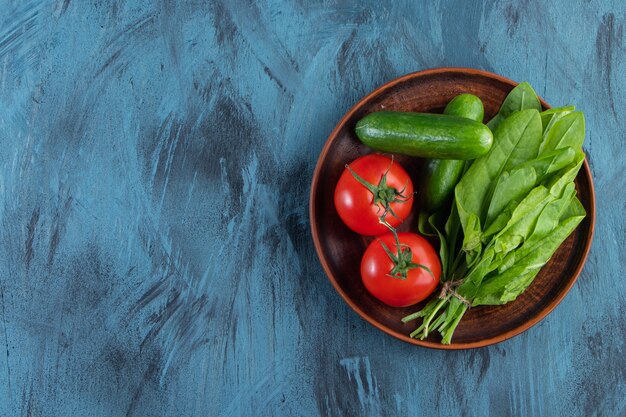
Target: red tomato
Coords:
[(377, 266), (360, 206)]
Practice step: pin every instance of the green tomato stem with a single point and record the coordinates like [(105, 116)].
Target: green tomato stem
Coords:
[(383, 194)]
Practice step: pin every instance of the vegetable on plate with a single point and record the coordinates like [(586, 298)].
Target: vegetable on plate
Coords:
[(499, 203), (424, 135), (400, 269), (371, 188), (512, 209), (439, 176)]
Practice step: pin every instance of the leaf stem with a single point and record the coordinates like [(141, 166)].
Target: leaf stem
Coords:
[(447, 336), (430, 317)]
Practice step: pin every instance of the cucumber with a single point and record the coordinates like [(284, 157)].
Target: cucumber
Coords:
[(466, 105), (424, 135), (437, 181), (439, 176)]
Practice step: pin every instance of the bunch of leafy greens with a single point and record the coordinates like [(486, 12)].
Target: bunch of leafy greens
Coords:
[(512, 209)]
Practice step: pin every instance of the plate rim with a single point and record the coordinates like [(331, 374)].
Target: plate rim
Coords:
[(405, 338)]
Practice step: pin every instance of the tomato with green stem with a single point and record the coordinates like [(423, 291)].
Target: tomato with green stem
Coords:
[(400, 269), (373, 187)]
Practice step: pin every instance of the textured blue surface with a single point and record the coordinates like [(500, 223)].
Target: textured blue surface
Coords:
[(155, 162)]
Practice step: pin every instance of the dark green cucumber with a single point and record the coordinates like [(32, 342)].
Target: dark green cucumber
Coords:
[(466, 105), (437, 182), (425, 135), (440, 176)]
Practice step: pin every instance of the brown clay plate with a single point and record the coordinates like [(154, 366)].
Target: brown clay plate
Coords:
[(340, 249)]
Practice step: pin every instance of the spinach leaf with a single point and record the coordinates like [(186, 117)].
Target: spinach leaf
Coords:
[(516, 141), (513, 223), (512, 186), (505, 286), (547, 115), (512, 209), (474, 277), (561, 178), (513, 281), (550, 162), (435, 221), (567, 131), (547, 221), (522, 97), (452, 231), (423, 225), (495, 121), (485, 284), (522, 221)]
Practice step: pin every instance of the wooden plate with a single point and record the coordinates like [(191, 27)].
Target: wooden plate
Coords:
[(340, 250)]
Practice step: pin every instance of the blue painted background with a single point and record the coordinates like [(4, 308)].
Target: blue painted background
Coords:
[(155, 253)]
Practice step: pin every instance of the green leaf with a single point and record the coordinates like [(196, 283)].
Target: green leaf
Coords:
[(522, 221), (495, 122), (472, 238), (557, 182), (502, 287), (522, 97), (452, 230), (474, 277), (435, 221), (516, 141), (551, 214), (512, 209), (511, 186), (424, 226), (513, 224), (547, 115), (547, 221), (499, 222), (566, 131), (551, 161)]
